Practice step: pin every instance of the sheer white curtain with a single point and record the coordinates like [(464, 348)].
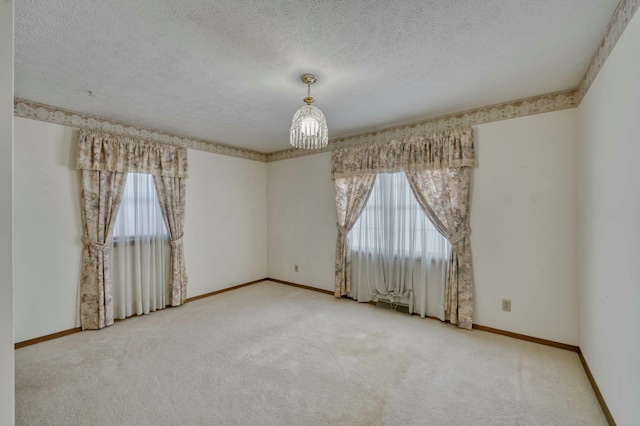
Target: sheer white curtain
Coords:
[(397, 253), (140, 252)]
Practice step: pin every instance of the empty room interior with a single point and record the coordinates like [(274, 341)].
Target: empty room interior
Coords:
[(465, 170)]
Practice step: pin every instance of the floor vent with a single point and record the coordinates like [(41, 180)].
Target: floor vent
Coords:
[(398, 307)]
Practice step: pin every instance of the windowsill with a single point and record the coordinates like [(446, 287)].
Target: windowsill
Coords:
[(132, 241)]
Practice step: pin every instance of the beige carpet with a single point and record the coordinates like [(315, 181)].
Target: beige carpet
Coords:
[(271, 354)]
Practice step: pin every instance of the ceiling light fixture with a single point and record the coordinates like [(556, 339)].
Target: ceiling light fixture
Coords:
[(309, 127)]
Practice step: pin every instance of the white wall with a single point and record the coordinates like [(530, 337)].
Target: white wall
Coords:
[(524, 227), (302, 221), (609, 120), (226, 223), (7, 391), (47, 225), (225, 226), (524, 206)]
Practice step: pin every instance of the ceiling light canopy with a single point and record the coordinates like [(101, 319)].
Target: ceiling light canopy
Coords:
[(309, 127)]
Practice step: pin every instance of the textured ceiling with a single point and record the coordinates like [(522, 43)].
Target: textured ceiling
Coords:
[(227, 70)]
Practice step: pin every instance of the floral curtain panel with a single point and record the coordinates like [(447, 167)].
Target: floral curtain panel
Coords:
[(453, 148), (444, 197), (104, 161), (352, 194), (438, 168), (171, 196), (100, 199)]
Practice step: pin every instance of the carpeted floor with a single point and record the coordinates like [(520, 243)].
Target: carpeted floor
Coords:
[(271, 354)]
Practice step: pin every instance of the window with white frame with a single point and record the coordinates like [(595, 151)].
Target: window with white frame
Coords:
[(396, 252), (139, 217), (393, 222), (140, 254)]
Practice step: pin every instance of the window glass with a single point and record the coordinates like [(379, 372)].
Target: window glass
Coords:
[(139, 216), (393, 222)]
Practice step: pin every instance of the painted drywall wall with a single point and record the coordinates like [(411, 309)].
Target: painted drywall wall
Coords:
[(225, 226), (609, 277), (7, 389), (47, 224), (524, 228), (302, 221), (524, 206)]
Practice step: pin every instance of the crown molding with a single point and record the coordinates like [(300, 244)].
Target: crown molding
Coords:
[(520, 108), (41, 112), (619, 21)]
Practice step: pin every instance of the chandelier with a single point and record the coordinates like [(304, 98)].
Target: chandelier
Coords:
[(309, 127)]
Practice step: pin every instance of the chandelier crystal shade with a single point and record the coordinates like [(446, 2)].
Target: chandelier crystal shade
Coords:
[(309, 127)]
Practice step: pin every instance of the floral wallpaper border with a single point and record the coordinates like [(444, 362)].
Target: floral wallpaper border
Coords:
[(538, 104), (621, 17), (36, 111), (521, 108)]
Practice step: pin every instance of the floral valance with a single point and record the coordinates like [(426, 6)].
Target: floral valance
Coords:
[(451, 148), (104, 151)]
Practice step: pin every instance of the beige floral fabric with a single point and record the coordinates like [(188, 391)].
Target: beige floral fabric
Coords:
[(104, 161), (100, 199), (443, 195), (104, 151), (171, 196), (438, 167), (452, 148), (352, 194)]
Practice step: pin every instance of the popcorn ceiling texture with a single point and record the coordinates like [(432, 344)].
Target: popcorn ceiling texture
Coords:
[(227, 71)]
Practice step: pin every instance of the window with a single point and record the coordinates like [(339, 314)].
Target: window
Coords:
[(140, 254), (396, 252), (393, 222), (139, 218)]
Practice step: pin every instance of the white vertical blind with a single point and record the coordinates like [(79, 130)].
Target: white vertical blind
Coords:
[(140, 252), (397, 253)]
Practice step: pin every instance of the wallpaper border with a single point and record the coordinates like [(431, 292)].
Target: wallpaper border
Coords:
[(519, 108), (621, 17), (41, 112), (623, 14)]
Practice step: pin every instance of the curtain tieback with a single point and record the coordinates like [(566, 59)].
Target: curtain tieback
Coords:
[(342, 230), (103, 247), (174, 243), (459, 235)]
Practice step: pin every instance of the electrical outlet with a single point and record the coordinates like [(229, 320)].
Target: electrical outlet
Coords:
[(506, 305), (295, 268)]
